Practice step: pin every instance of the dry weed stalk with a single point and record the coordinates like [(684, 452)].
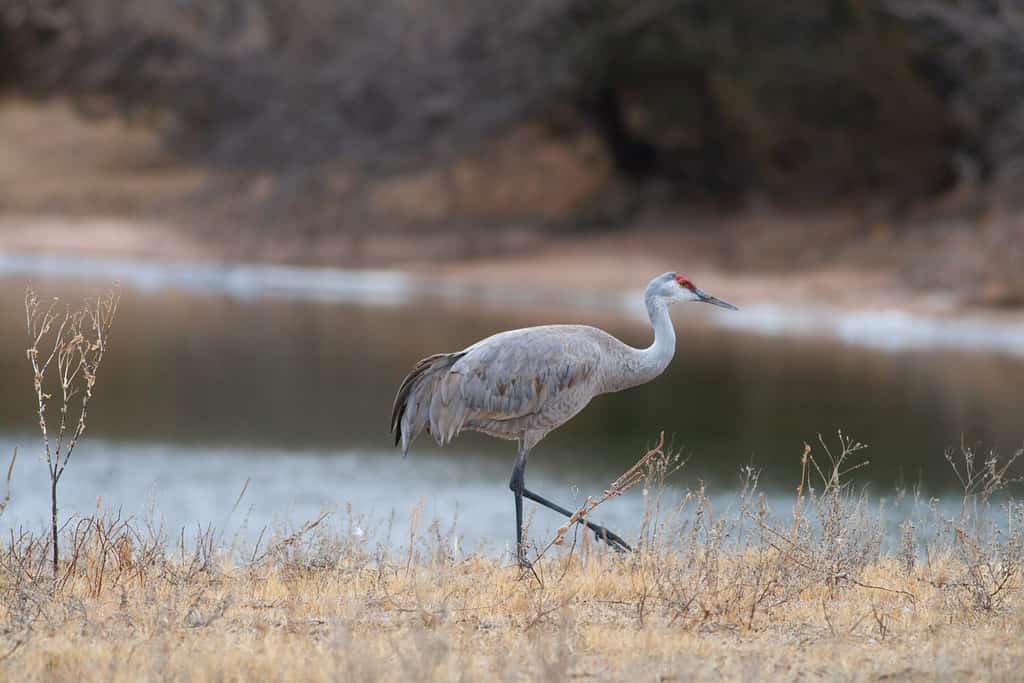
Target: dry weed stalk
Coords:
[(283, 548), (655, 458), (7, 483), (723, 571), (65, 350), (992, 558), (980, 483)]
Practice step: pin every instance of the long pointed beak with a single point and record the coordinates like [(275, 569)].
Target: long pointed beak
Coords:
[(706, 298)]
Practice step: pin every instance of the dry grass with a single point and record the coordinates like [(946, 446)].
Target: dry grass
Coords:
[(476, 619), (733, 594)]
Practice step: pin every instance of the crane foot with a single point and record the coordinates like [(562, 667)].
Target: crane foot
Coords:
[(612, 539)]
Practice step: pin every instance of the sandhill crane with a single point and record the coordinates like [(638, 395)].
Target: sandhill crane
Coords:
[(522, 384)]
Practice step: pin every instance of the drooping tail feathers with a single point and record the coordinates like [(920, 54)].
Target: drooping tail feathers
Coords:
[(411, 411)]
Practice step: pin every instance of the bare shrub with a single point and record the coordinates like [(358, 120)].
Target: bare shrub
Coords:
[(991, 557), (741, 565), (66, 348)]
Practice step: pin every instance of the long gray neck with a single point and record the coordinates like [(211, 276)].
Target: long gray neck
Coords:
[(656, 357), (639, 366)]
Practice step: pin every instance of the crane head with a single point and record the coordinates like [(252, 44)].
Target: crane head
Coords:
[(681, 288)]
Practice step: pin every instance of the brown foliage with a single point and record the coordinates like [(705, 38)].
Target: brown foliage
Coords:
[(805, 100)]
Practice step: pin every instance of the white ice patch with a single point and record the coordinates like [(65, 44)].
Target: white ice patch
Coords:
[(238, 280), (885, 329)]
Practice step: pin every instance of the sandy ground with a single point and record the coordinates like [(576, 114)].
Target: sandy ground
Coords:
[(625, 262), (596, 268)]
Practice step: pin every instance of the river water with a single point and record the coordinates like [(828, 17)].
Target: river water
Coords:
[(283, 378)]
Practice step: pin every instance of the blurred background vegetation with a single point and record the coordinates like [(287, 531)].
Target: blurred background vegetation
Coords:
[(319, 116)]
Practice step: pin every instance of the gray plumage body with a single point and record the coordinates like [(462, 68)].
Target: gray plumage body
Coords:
[(522, 384)]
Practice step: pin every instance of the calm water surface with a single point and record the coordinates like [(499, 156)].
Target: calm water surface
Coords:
[(202, 391)]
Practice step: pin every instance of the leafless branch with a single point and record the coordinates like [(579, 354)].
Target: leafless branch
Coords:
[(72, 344)]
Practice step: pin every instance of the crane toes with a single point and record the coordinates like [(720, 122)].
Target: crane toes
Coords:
[(612, 539)]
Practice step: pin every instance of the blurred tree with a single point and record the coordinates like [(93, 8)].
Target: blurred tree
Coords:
[(806, 100), (25, 26), (973, 51)]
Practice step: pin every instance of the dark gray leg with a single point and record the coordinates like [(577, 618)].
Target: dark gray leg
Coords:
[(516, 483), (614, 540)]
